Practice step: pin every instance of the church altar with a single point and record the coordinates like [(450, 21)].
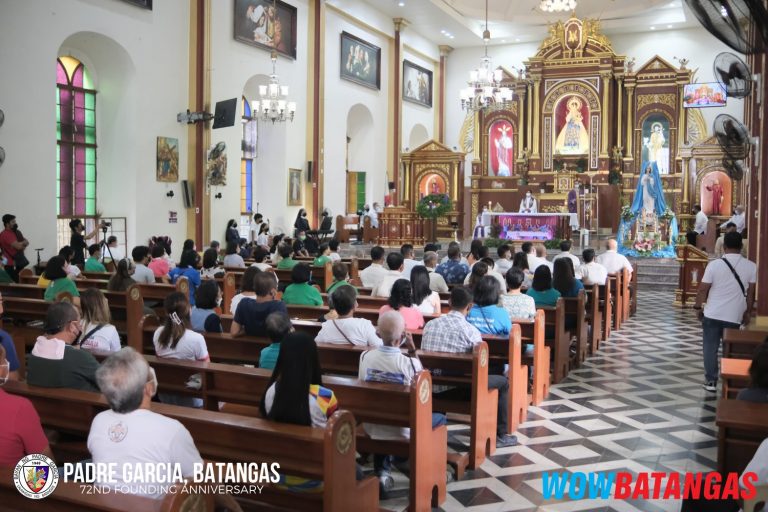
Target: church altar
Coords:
[(531, 226)]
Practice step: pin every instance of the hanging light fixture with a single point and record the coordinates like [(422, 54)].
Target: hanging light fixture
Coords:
[(273, 104), (485, 90), (557, 5)]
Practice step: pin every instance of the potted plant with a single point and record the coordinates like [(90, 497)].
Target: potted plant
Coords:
[(431, 207)]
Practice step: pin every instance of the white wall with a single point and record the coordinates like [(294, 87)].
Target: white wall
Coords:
[(695, 44), (280, 146), (137, 58), (340, 96)]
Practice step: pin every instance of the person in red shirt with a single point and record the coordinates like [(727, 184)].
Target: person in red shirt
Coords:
[(12, 244), (20, 431)]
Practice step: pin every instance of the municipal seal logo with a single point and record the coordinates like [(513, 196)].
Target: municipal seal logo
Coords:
[(36, 476)]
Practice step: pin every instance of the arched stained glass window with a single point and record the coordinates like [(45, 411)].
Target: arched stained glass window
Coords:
[(76, 139), (246, 163)]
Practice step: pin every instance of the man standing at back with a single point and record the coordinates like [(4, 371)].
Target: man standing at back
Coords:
[(728, 291), (453, 333), (612, 260), (372, 275), (12, 245)]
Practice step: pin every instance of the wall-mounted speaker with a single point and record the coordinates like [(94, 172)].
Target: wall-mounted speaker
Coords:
[(187, 194), (391, 185), (309, 171)]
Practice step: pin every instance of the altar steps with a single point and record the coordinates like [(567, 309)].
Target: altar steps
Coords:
[(657, 272)]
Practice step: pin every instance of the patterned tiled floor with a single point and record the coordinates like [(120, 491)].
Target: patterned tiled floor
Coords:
[(636, 406)]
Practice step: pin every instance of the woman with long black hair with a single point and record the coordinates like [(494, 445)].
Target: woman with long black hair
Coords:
[(232, 234), (424, 298), (301, 223)]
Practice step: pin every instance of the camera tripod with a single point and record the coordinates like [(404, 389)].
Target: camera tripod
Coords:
[(104, 247)]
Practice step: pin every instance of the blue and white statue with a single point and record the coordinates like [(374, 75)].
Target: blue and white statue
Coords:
[(649, 197)]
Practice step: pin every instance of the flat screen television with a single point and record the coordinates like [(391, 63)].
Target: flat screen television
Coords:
[(708, 94)]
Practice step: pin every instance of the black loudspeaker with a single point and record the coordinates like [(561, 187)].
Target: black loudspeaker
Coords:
[(224, 115), (187, 194), (309, 171), (391, 185)]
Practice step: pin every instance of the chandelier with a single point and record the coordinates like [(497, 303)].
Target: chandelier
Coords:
[(557, 5), (485, 90), (273, 104)]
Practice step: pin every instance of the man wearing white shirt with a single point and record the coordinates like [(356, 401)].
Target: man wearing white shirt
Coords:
[(612, 260), (436, 281), (395, 265), (565, 248), (699, 226), (504, 263), (738, 219), (728, 289), (258, 220), (372, 275), (533, 261), (408, 260), (346, 329), (591, 271), (373, 215)]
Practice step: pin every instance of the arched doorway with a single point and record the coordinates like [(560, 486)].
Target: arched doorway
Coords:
[(359, 156)]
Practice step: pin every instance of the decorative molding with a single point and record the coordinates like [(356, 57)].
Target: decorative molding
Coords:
[(571, 87), (643, 100), (548, 142), (549, 83), (594, 126)]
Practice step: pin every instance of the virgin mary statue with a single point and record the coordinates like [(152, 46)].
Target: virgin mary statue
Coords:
[(573, 138), (649, 198)]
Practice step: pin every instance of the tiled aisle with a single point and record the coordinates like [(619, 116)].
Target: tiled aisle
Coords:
[(637, 406)]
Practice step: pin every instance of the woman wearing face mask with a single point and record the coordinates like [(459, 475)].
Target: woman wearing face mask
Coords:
[(263, 237), (24, 435), (301, 224), (232, 234), (54, 361), (203, 316), (77, 240)]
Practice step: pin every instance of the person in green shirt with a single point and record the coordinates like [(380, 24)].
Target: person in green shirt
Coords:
[(278, 326), (93, 264), (287, 262), (59, 282), (301, 292), (5, 277), (323, 256), (340, 276), (54, 362), (541, 288)]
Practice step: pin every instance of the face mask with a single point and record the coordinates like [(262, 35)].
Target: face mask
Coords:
[(15, 227), (302, 238), (303, 214)]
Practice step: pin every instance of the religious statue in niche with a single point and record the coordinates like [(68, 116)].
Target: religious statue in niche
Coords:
[(432, 184), (716, 194), (656, 142), (649, 197), (500, 149), (571, 121)]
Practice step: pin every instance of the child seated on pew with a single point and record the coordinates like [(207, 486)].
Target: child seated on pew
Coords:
[(758, 374), (92, 264), (159, 264), (204, 317), (296, 395), (211, 269), (285, 251), (251, 315), (340, 276), (344, 328), (58, 281), (300, 291), (73, 271), (278, 327), (261, 258), (401, 300), (333, 245), (388, 364), (247, 290), (95, 324), (176, 340), (323, 256)]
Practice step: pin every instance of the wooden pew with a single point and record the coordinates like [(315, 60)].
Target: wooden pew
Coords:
[(626, 297), (321, 454), (347, 226), (321, 276), (370, 234), (575, 311), (101, 276), (740, 344), (594, 317), (370, 302), (79, 282), (559, 341), (633, 294), (606, 309), (735, 375), (354, 264), (315, 312), (532, 333), (71, 497), (614, 282), (742, 426)]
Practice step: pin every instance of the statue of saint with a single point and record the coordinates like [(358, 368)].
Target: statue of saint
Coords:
[(573, 138)]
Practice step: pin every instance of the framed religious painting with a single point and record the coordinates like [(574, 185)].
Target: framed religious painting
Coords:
[(266, 24), (294, 187), (501, 149), (571, 126), (360, 61), (417, 84), (656, 142), (167, 159)]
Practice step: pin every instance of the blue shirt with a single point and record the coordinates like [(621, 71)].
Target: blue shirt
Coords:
[(205, 320), (192, 275), (490, 319), (453, 271), (544, 298), (573, 292), (10, 351)]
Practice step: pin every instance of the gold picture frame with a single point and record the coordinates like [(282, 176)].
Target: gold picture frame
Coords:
[(295, 187)]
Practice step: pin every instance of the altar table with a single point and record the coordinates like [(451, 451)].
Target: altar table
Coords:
[(532, 226)]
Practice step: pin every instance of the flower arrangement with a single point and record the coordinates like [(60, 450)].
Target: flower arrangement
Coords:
[(643, 247), (626, 213), (434, 206), (667, 215)]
